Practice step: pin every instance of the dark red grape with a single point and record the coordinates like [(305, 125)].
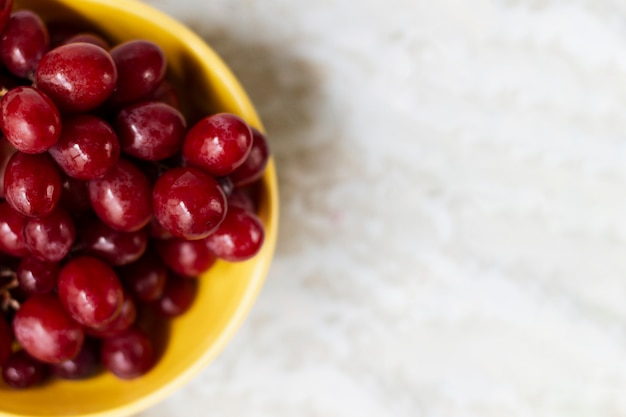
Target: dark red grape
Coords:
[(141, 66), (75, 198), (124, 320), (90, 291), (188, 203), (6, 341), (253, 167), (112, 246), (50, 238), (5, 13), (11, 226), (91, 38), (22, 371), (239, 237), (150, 130), (145, 278), (77, 76), (24, 41), (178, 296), (122, 197), (36, 276), (185, 257), (218, 144), (242, 200), (6, 152), (128, 355), (32, 184), (46, 331), (87, 148), (83, 365), (29, 120), (165, 93)]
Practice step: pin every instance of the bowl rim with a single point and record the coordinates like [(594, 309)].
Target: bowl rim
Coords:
[(232, 84)]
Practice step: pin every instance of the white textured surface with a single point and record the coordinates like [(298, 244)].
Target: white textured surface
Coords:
[(453, 227)]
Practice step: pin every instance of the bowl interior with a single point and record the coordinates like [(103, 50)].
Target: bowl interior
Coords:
[(226, 292)]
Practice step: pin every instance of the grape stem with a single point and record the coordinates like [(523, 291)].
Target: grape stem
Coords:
[(6, 300)]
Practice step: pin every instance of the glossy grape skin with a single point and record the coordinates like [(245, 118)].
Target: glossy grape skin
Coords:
[(22, 371), (24, 42), (90, 291), (77, 76), (218, 144), (128, 355), (178, 296), (141, 67), (122, 197), (6, 340), (32, 184), (253, 167), (189, 258), (150, 130), (123, 322), (50, 238), (5, 13), (46, 331), (6, 152), (145, 278), (11, 227), (239, 237), (112, 246), (36, 276), (87, 148), (86, 37), (29, 120), (83, 365), (188, 203)]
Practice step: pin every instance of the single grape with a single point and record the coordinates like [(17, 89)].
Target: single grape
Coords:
[(253, 167), (6, 341), (87, 148), (86, 37), (24, 41), (11, 226), (46, 331), (150, 130), (22, 371), (141, 67), (32, 184), (77, 76), (128, 355), (83, 365), (239, 237), (218, 144), (124, 320), (90, 291), (178, 296), (6, 152), (36, 276), (145, 278), (50, 238), (29, 120), (112, 246), (188, 203), (75, 198), (242, 200), (189, 258), (122, 197)]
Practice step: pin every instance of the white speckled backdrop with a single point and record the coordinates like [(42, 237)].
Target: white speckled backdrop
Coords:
[(453, 239)]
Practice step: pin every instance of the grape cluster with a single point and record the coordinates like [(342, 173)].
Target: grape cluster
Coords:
[(110, 206)]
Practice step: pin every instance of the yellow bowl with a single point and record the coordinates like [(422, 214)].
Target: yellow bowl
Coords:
[(227, 291)]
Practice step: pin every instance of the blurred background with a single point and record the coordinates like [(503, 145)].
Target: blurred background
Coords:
[(453, 196)]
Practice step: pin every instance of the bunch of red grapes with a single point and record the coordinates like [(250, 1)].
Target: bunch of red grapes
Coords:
[(110, 205)]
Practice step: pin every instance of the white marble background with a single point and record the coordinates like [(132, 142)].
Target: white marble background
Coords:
[(453, 239)]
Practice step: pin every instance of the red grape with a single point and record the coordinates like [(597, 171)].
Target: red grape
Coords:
[(112, 246), (122, 197), (6, 152), (22, 371), (87, 148), (188, 203), (83, 365), (91, 38), (46, 331), (218, 144), (11, 226), (242, 200), (150, 130), (24, 41), (29, 120), (165, 93), (238, 238), (145, 278), (5, 13), (128, 355), (32, 184), (6, 341), (253, 167), (124, 320), (178, 296), (77, 76), (185, 257), (90, 291), (36, 276), (50, 238)]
